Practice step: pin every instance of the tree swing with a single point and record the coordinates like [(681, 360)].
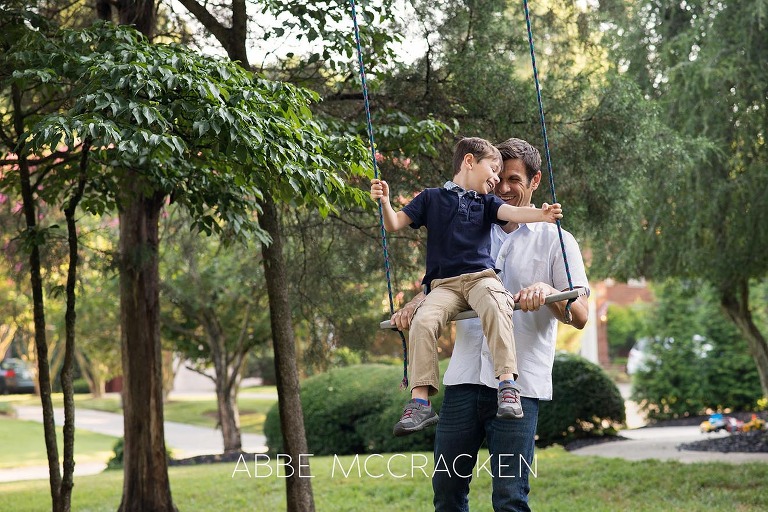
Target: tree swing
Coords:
[(571, 295)]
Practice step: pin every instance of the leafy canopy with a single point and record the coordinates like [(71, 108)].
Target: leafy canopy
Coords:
[(212, 135)]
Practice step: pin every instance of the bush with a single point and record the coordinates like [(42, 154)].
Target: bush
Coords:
[(80, 386), (585, 402), (352, 410), (699, 362), (116, 462)]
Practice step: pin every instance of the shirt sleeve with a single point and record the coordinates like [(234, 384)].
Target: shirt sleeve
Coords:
[(416, 210), (575, 265), (493, 203)]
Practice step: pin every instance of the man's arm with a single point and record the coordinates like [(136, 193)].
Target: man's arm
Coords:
[(532, 297), (393, 221)]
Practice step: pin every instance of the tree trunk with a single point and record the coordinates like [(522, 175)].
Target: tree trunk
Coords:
[(38, 308), (139, 13), (229, 414), (146, 486), (735, 303), (298, 485), (70, 318)]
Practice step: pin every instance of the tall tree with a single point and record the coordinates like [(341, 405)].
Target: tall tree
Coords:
[(28, 173), (703, 63), (205, 132), (214, 311), (310, 18)]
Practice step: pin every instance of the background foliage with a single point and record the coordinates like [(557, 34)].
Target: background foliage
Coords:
[(353, 409), (699, 361), (585, 402)]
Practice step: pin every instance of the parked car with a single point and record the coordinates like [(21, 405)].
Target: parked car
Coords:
[(16, 376), (641, 358)]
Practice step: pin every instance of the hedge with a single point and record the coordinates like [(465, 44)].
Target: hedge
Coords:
[(585, 402), (352, 409)]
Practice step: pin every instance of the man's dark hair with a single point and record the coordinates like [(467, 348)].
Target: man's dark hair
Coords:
[(518, 149)]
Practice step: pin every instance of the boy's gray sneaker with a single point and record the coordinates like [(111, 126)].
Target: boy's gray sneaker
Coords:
[(415, 417), (509, 403)]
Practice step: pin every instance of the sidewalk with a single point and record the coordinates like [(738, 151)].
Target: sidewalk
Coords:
[(182, 439), (661, 443)]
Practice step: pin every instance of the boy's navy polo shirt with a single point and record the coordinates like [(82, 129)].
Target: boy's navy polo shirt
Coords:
[(458, 230)]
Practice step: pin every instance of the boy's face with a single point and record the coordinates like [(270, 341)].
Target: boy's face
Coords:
[(484, 174)]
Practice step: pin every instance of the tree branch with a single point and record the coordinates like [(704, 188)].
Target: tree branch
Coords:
[(219, 31)]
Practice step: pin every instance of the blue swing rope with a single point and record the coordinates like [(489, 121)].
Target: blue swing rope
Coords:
[(404, 383), (372, 145), (546, 151)]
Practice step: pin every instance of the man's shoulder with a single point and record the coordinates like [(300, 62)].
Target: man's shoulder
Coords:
[(548, 230)]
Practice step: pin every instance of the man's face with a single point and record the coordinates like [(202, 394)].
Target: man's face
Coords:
[(513, 187)]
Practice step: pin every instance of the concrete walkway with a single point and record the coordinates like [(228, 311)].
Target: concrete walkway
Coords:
[(183, 440), (661, 443)]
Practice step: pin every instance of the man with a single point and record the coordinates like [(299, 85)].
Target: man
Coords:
[(531, 264)]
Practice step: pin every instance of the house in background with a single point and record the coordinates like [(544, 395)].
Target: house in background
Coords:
[(594, 342)]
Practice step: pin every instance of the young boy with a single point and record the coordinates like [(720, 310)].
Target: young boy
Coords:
[(460, 273)]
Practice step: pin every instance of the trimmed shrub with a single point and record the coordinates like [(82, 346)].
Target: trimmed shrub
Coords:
[(352, 410), (116, 462), (585, 402), (80, 386), (699, 361)]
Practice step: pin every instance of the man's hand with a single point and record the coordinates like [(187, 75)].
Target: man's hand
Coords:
[(532, 297), (402, 318)]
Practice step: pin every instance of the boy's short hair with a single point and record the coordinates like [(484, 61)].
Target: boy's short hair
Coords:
[(518, 149), (479, 148)]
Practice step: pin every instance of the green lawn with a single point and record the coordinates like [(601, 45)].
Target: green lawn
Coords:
[(23, 444), (110, 403), (193, 409), (563, 482), (202, 412)]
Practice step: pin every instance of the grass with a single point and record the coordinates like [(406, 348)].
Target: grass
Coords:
[(202, 412), (193, 409), (563, 482), (23, 444), (110, 403)]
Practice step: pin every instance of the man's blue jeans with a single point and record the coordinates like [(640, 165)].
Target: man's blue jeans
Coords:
[(467, 418)]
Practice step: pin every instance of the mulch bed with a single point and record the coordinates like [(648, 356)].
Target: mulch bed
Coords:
[(742, 442)]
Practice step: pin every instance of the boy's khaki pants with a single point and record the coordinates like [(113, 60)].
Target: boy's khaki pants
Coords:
[(485, 294)]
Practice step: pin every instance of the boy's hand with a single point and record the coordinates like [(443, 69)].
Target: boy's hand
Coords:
[(552, 212), (380, 190)]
